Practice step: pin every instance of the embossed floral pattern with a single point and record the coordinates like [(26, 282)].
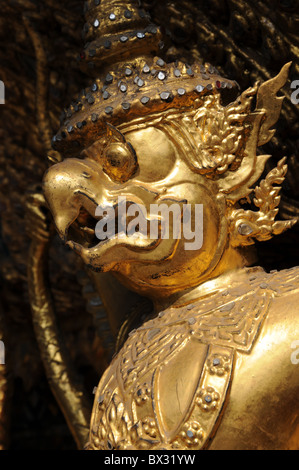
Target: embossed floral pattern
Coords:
[(191, 434), (218, 364), (142, 394), (207, 399), (149, 427)]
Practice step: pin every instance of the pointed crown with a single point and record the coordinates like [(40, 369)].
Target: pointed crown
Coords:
[(130, 79)]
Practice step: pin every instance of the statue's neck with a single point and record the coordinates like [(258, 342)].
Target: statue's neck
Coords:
[(231, 266)]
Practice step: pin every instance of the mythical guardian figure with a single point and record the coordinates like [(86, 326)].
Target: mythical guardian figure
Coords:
[(211, 367)]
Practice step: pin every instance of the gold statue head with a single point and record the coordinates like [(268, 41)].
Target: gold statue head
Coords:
[(150, 133)]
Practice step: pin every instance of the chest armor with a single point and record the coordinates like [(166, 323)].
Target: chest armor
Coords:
[(169, 386)]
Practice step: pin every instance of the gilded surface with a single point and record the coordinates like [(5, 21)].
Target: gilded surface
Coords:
[(144, 381), (164, 389), (207, 361)]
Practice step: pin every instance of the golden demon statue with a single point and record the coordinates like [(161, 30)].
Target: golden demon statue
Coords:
[(211, 367)]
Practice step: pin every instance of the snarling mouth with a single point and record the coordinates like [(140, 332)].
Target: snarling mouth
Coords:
[(83, 232), (125, 238)]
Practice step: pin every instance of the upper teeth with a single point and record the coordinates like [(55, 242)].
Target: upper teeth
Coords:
[(87, 230)]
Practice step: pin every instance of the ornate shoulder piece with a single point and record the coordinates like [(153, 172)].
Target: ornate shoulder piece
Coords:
[(270, 104), (247, 225)]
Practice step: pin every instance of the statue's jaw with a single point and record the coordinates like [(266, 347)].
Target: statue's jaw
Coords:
[(107, 255), (92, 216), (101, 251)]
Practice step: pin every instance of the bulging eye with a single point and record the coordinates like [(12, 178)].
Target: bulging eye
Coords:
[(119, 161), (116, 156)]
